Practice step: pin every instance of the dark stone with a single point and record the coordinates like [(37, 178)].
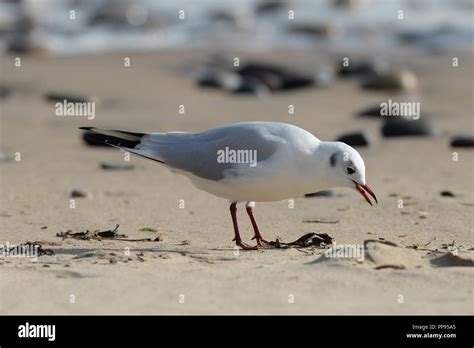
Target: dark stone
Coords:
[(462, 141), (348, 4), (316, 30), (208, 80), (78, 194), (19, 44), (24, 25), (19, 39), (5, 92), (223, 16), (258, 77), (216, 78), (115, 16), (121, 15), (360, 68), (411, 37), (5, 157), (292, 80), (373, 111), (447, 193), (275, 77), (59, 97), (260, 69), (399, 126), (269, 6), (324, 193), (355, 139), (250, 85)]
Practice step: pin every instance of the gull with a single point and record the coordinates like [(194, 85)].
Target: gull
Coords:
[(250, 162)]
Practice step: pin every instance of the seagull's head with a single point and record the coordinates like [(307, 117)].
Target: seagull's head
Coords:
[(347, 169)]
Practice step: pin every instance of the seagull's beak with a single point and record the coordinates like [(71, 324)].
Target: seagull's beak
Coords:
[(363, 190)]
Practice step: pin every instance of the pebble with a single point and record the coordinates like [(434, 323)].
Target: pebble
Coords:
[(391, 79), (372, 111), (260, 78), (78, 194), (316, 30), (70, 98), (208, 79), (399, 126), (269, 6), (360, 68), (422, 214), (123, 15), (19, 43), (275, 77), (5, 92), (350, 4), (447, 193), (223, 16), (462, 141), (4, 157), (250, 85), (355, 139), (216, 78)]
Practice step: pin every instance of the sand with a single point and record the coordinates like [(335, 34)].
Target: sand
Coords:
[(205, 274)]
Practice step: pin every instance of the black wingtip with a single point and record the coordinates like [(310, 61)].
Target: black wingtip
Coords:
[(86, 128)]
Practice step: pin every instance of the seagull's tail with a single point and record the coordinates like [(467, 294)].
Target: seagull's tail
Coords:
[(116, 137), (125, 141)]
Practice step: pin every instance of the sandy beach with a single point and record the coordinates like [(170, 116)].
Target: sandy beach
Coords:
[(194, 268)]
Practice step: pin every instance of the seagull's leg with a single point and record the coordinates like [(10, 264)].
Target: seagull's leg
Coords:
[(260, 241), (237, 239)]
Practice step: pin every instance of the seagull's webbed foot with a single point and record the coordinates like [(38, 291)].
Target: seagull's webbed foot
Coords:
[(260, 241), (245, 246)]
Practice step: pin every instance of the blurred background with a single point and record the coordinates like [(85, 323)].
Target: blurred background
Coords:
[(144, 25)]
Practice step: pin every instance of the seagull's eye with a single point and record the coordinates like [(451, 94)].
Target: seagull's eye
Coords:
[(350, 170)]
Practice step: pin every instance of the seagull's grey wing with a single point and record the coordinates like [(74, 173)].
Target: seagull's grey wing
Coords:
[(198, 153)]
